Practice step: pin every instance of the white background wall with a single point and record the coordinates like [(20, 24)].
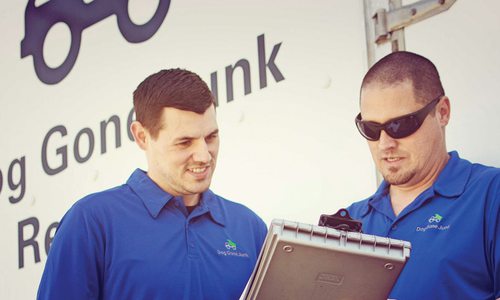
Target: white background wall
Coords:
[(289, 150)]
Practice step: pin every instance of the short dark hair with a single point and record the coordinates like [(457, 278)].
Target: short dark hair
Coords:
[(398, 67), (177, 88)]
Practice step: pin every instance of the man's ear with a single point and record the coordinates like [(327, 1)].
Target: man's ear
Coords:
[(443, 111), (140, 134)]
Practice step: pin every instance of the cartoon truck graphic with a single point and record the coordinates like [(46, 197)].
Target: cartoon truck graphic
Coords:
[(436, 218), (230, 245), (79, 15)]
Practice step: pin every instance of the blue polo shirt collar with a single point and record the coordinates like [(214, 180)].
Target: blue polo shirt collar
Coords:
[(453, 179), (213, 205), (450, 183), (155, 198), (377, 200)]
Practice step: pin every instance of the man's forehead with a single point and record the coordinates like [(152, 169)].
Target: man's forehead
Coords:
[(178, 123), (382, 85), (383, 102), (379, 93)]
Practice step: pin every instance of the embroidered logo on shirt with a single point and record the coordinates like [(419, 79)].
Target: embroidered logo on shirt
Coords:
[(435, 218), (230, 245), (433, 224), (231, 250)]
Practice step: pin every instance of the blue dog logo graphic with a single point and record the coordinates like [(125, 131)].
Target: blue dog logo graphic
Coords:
[(79, 15)]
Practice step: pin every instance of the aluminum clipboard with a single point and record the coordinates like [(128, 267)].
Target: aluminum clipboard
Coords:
[(303, 261)]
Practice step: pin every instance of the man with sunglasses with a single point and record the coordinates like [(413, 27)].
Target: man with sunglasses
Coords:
[(447, 207)]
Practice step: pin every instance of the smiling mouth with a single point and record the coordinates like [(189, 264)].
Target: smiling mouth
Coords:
[(199, 170), (392, 159)]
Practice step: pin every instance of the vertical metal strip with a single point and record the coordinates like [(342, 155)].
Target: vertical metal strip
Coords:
[(372, 49), (398, 36)]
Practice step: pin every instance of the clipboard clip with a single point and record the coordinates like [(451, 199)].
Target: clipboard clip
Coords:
[(341, 220)]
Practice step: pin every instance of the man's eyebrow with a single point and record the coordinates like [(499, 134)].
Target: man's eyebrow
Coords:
[(187, 137), (183, 138), (216, 131)]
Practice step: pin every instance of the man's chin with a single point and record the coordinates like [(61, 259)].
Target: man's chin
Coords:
[(198, 188), (397, 178)]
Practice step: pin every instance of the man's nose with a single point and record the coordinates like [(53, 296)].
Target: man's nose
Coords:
[(201, 153), (386, 142)]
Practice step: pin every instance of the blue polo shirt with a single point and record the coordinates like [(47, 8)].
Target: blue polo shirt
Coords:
[(454, 229), (136, 241)]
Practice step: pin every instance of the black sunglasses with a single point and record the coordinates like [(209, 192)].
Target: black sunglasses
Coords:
[(396, 128)]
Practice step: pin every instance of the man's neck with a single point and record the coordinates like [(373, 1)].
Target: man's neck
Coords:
[(191, 200), (401, 198), (402, 195)]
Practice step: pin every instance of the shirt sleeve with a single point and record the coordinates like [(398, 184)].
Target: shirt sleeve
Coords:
[(75, 262), (493, 233)]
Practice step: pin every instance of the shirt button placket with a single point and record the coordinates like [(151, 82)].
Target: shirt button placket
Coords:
[(392, 230), (392, 226), (190, 241)]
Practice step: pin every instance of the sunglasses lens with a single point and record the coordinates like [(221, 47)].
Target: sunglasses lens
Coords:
[(402, 127), (369, 131)]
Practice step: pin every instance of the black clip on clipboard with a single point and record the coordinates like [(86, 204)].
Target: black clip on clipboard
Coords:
[(341, 220)]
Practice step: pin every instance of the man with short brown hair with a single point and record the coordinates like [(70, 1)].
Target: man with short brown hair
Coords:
[(164, 234)]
